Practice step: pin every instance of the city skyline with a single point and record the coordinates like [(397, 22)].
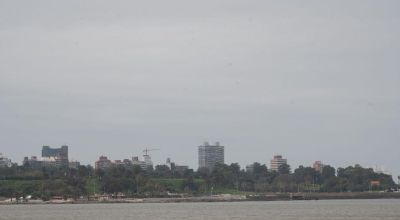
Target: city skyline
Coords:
[(272, 164), (308, 80)]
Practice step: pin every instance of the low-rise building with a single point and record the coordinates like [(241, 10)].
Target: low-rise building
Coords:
[(176, 168), (4, 161), (250, 168), (137, 162), (102, 163), (32, 162), (74, 164), (127, 162), (50, 162)]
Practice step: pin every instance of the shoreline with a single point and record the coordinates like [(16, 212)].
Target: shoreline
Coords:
[(220, 198)]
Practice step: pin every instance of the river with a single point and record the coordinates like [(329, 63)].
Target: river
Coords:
[(384, 209)]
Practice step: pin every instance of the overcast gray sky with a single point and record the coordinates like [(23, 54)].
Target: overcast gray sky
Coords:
[(311, 80)]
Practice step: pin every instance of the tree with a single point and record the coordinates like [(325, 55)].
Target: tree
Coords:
[(259, 171), (162, 171), (306, 177), (188, 185), (283, 183), (327, 172), (284, 169)]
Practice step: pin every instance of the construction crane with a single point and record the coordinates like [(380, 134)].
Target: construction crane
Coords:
[(146, 150)]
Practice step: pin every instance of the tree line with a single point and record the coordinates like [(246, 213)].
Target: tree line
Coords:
[(20, 181)]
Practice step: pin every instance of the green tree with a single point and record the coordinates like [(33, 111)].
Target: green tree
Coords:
[(284, 169)]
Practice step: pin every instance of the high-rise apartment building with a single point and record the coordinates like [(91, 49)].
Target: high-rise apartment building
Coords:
[(276, 162), (60, 155), (148, 162), (210, 155)]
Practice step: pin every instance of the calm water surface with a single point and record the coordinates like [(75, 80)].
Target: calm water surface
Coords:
[(307, 210)]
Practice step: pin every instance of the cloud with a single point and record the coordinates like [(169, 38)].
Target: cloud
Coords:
[(310, 80)]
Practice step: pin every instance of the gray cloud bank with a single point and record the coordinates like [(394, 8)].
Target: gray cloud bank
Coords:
[(311, 80)]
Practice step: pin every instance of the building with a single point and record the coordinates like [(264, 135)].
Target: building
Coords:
[(148, 162), (210, 155), (250, 168), (32, 162), (102, 163), (398, 180), (45, 162), (74, 164), (137, 162), (117, 163), (276, 162), (380, 170), (60, 155), (50, 162), (169, 164), (61, 152), (176, 168), (180, 169), (318, 166), (127, 163), (51, 158), (4, 161)]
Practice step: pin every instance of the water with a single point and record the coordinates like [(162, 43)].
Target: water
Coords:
[(283, 210)]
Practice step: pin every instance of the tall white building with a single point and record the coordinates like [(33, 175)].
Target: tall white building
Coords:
[(276, 162), (147, 161), (210, 155)]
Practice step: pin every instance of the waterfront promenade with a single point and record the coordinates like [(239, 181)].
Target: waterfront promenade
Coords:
[(216, 198)]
